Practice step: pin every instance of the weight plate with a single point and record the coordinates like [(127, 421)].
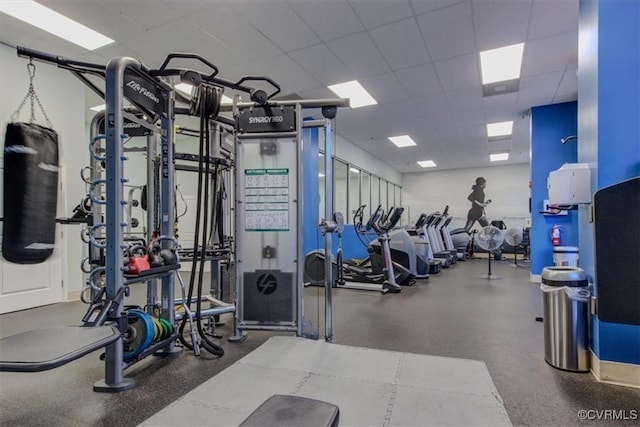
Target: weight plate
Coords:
[(167, 327), (139, 333), (163, 329), (157, 329)]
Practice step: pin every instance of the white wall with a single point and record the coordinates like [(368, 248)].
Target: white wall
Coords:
[(507, 186), (62, 96), (350, 153)]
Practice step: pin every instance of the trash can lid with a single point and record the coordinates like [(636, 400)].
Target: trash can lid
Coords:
[(572, 277), (566, 249)]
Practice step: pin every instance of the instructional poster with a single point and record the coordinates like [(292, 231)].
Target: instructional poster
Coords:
[(266, 199)]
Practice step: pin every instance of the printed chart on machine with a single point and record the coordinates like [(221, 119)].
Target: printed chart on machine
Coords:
[(266, 199)]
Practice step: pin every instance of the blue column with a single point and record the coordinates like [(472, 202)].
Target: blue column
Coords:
[(311, 196), (549, 124), (609, 133)]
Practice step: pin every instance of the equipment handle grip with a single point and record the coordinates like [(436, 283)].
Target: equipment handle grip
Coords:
[(395, 217)]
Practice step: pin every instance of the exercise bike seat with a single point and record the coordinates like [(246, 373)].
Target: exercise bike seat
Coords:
[(44, 349)]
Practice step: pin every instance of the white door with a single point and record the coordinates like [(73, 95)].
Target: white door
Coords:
[(33, 285)]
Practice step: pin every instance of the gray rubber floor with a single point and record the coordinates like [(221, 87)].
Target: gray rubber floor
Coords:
[(454, 314), (371, 387)]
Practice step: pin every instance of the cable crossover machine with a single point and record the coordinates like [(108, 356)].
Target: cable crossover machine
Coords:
[(265, 250)]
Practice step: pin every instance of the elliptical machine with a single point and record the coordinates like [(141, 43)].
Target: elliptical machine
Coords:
[(363, 275)]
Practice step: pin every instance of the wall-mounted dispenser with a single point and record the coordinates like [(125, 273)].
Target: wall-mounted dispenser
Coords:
[(570, 185)]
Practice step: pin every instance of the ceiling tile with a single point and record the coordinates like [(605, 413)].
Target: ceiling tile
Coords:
[(148, 14), (279, 23), (442, 120), (459, 73), (500, 114), (322, 64), (385, 88), (568, 83), (465, 99), (506, 101), (419, 81), (226, 25), (123, 49), (422, 6), (500, 23), (329, 20), (160, 41), (290, 76), (553, 17), (359, 54), (373, 13), (474, 135), (319, 93), (448, 32), (543, 86), (549, 54), (470, 117), (106, 20), (401, 44), (433, 104), (565, 98), (17, 33)]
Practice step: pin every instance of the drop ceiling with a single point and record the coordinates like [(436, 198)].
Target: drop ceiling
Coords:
[(418, 58)]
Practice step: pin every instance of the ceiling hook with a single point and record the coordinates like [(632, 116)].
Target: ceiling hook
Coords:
[(31, 68)]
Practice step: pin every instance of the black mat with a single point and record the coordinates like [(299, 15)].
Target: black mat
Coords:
[(617, 250)]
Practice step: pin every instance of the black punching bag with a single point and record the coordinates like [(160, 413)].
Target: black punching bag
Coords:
[(30, 193)]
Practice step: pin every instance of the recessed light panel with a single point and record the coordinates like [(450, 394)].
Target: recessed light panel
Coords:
[(353, 90), (501, 64), (52, 22), (402, 141), (427, 163), (499, 129), (354, 170), (499, 157)]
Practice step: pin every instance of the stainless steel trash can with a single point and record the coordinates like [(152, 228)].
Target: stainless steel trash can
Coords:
[(566, 318)]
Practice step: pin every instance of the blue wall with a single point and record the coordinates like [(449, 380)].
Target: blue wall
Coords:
[(549, 124), (609, 133)]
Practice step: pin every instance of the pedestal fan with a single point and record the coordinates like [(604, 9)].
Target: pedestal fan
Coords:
[(490, 238), (513, 237)]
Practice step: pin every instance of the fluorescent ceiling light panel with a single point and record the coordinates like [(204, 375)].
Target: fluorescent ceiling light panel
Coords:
[(498, 157), (99, 108), (501, 64), (48, 20), (320, 175), (427, 163), (499, 129), (354, 170), (402, 141), (357, 95)]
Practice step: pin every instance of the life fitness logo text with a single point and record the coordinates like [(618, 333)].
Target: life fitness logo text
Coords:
[(143, 91), (267, 119)]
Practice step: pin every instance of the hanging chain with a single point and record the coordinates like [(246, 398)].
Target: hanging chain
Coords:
[(31, 96)]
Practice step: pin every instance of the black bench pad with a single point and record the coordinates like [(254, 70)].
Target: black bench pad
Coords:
[(293, 411), (44, 349)]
